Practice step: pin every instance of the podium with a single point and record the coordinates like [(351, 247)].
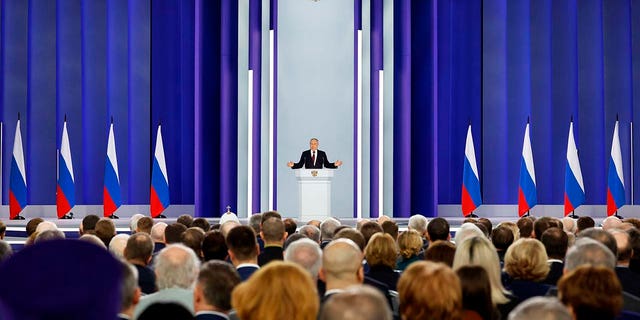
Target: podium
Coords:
[(314, 193)]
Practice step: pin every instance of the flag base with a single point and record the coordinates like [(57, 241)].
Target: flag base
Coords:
[(573, 216), (161, 216), (67, 216), (617, 216), (113, 216), (18, 217), (472, 215)]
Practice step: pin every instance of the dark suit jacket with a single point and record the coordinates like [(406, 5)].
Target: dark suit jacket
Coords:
[(321, 161), (246, 272), (555, 273), (270, 253), (385, 275), (629, 280), (209, 316), (146, 279)]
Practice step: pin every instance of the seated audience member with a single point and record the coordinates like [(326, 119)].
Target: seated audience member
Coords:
[(311, 232), (513, 227), (3, 230), (591, 293), (468, 230), (173, 233), (129, 291), (144, 225), (186, 220), (341, 266), (270, 214), (138, 251), (483, 229), (133, 222), (315, 223), (291, 239), (556, 243), (356, 303), (487, 225), (391, 228), (541, 308), (327, 230), (105, 230), (525, 226), (438, 229), (360, 222), (214, 246), (410, 247), (569, 225), (633, 221), (418, 223), (157, 235), (417, 286), (227, 226), (5, 250), (290, 226), (201, 223), (273, 234), (307, 254), (91, 238), (502, 238), (193, 238), (352, 234), (584, 223), (46, 225), (48, 235), (541, 225), (268, 295), (630, 280), (610, 223), (603, 237), (32, 225), (634, 238), (243, 251), (476, 293), (212, 292), (526, 267), (176, 268), (368, 229), (165, 310), (479, 251), (117, 245), (441, 251), (340, 228), (381, 255), (255, 222), (382, 218)]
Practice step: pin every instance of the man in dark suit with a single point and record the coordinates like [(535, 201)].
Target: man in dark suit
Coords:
[(130, 292), (138, 252), (630, 280), (314, 158), (212, 293), (274, 236), (556, 242), (243, 250)]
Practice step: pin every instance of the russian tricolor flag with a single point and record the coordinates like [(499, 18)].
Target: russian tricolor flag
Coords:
[(111, 192), (66, 191), (159, 179), (471, 197), (615, 178), (573, 183), (527, 196), (17, 177)]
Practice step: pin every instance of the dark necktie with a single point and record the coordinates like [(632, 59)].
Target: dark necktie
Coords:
[(313, 157)]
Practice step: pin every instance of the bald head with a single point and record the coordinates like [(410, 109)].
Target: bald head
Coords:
[(623, 243), (157, 232), (341, 262), (610, 223), (227, 226)]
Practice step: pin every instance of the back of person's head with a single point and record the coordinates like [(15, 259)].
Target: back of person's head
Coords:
[(133, 221), (584, 223), (186, 220), (193, 238), (352, 234), (48, 235), (341, 259), (270, 214), (409, 243), (254, 222), (356, 303), (165, 310), (526, 259), (312, 232), (328, 228), (525, 226), (315, 223), (502, 238), (591, 292), (418, 223), (157, 232), (541, 308), (416, 289), (587, 251), (623, 245), (130, 291), (214, 246), (242, 242), (634, 221), (487, 224), (391, 228), (291, 239), (105, 230), (468, 230), (273, 230), (511, 226), (173, 233), (117, 244), (176, 266), (144, 225), (476, 290), (381, 250), (91, 238), (201, 223), (441, 251), (601, 236), (611, 222), (5, 250), (89, 223), (541, 225), (307, 254), (297, 295), (370, 228), (483, 229), (438, 229), (46, 225), (227, 226), (32, 225), (556, 242), (479, 251), (569, 224), (139, 248), (290, 225), (216, 281)]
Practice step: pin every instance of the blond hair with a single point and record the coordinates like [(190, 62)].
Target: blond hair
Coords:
[(381, 250), (526, 259), (409, 243)]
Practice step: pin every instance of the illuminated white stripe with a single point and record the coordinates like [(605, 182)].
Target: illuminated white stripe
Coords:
[(111, 152), (249, 143), (380, 142), (359, 129), (572, 158), (18, 153), (159, 154), (616, 154), (527, 154), (271, 114), (65, 150)]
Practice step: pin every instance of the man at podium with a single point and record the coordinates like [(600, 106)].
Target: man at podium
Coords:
[(314, 158)]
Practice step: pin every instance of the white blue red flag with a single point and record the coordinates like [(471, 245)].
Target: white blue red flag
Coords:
[(527, 194), (17, 177), (471, 197), (66, 191), (159, 179), (111, 192), (573, 183), (615, 178)]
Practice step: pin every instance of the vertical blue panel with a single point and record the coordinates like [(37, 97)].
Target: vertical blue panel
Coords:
[(14, 68), (40, 140), (183, 158), (94, 102), (635, 53), (139, 139), (69, 83)]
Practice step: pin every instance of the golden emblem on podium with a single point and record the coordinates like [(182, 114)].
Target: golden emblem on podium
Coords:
[(314, 173)]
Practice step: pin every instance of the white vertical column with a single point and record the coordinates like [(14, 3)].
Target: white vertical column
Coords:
[(250, 143), (359, 129), (271, 116), (380, 142)]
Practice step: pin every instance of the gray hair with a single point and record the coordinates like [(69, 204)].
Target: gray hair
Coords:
[(46, 225), (468, 230), (587, 251), (129, 284), (91, 238), (328, 228), (312, 232), (157, 232), (254, 222), (176, 266), (117, 245), (356, 303), (133, 223), (540, 308), (49, 235), (569, 224), (418, 223), (306, 253), (5, 250)]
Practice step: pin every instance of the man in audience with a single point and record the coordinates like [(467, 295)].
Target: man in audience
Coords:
[(541, 225), (603, 237), (356, 303), (193, 238), (49, 235), (202, 223), (629, 279), (138, 252), (610, 223), (569, 225), (173, 233), (274, 234), (93, 239), (307, 254), (117, 245), (584, 223), (186, 220), (419, 223), (310, 232), (157, 235), (341, 266), (144, 225), (227, 226), (255, 222), (390, 227), (269, 214), (105, 230), (438, 229), (212, 292), (327, 229), (176, 269), (353, 235), (525, 225), (133, 222), (290, 226), (540, 308), (130, 292), (368, 229), (243, 250), (502, 238), (5, 250), (315, 223), (32, 225), (3, 230), (487, 225), (214, 246), (88, 224), (555, 242)]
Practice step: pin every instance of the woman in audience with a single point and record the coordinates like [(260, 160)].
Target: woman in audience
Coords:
[(410, 244), (430, 290), (591, 293), (441, 251), (525, 264), (280, 290), (468, 230), (476, 294), (381, 255)]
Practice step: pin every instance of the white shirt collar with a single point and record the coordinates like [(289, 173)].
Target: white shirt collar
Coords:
[(247, 265), (212, 312)]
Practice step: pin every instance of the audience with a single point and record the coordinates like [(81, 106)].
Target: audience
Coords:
[(541, 308), (129, 292), (525, 227), (368, 229), (502, 237), (212, 292), (410, 247), (117, 245), (441, 251), (312, 232), (352, 234), (144, 225), (584, 223), (214, 246), (327, 230), (569, 225), (48, 235), (157, 235), (186, 220), (105, 230), (418, 223), (291, 239), (133, 222), (227, 226), (391, 228), (526, 267), (438, 229), (201, 223), (138, 251), (610, 223), (173, 233), (487, 225), (341, 266), (32, 225), (356, 303), (92, 238), (5, 250), (476, 293), (243, 251), (307, 254), (290, 226), (556, 243), (88, 224), (274, 235), (166, 310), (468, 230), (591, 293), (629, 279), (193, 238), (381, 257)]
